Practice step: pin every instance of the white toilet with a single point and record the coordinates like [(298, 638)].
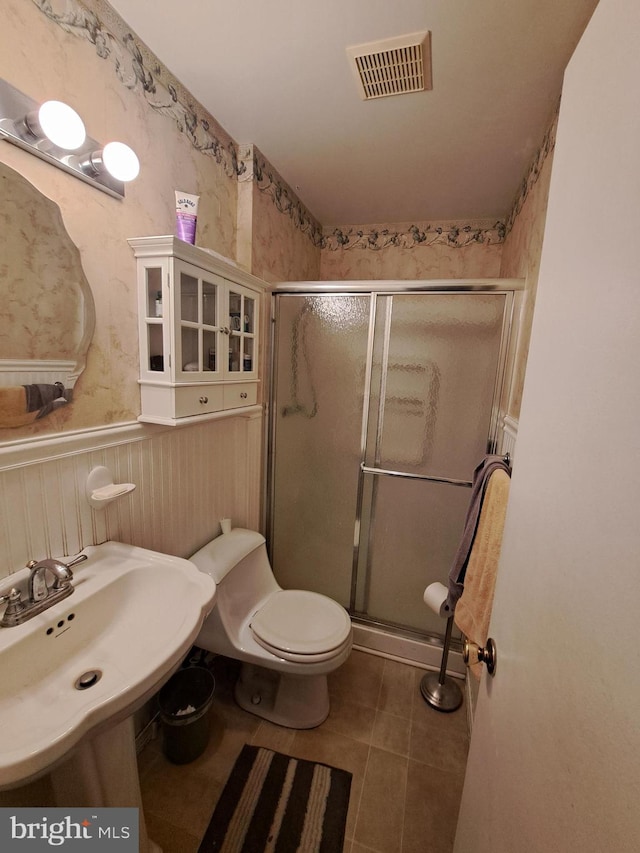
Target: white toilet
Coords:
[(287, 640)]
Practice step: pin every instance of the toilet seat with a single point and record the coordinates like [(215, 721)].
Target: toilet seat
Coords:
[(301, 626)]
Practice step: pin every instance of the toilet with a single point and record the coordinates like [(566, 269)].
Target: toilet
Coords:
[(287, 640)]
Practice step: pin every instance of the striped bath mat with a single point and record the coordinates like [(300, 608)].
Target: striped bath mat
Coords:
[(276, 803)]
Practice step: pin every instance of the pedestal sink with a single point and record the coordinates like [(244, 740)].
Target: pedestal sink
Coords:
[(73, 675)]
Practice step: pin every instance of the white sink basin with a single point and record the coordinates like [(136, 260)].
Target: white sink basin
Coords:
[(133, 617)]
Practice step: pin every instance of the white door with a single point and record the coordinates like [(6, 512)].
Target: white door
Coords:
[(554, 763)]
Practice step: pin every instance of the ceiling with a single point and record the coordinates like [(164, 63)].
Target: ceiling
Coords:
[(275, 73)]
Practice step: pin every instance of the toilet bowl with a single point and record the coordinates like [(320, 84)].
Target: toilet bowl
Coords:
[(287, 640)]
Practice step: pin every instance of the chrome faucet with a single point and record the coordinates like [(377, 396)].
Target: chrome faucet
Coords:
[(41, 595), (38, 589)]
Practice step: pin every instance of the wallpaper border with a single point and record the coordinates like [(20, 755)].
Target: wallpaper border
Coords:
[(137, 68), (531, 178), (454, 234)]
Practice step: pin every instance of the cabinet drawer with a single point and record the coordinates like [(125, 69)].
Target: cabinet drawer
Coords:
[(197, 400), (240, 394)]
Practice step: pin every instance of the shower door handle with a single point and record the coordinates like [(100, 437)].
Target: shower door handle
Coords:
[(409, 476)]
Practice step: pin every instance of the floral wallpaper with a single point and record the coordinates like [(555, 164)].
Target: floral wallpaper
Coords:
[(521, 258), (137, 68), (69, 51), (535, 171), (85, 53), (279, 240), (284, 199)]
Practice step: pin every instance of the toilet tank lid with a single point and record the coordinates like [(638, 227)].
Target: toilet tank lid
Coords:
[(219, 556)]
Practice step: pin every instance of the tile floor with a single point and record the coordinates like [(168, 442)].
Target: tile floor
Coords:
[(407, 761)]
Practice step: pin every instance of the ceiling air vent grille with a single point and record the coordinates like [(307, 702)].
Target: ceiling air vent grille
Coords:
[(394, 66)]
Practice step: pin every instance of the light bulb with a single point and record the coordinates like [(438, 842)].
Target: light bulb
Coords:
[(61, 125), (120, 161)]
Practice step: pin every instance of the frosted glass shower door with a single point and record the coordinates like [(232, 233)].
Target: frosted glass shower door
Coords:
[(434, 380), (382, 406), (320, 354)]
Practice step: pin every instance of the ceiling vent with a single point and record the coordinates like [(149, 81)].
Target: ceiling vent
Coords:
[(394, 66)]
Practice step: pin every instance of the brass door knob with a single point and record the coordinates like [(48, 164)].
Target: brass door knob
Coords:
[(473, 653)]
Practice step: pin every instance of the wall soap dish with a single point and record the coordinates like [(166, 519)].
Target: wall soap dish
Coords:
[(101, 489)]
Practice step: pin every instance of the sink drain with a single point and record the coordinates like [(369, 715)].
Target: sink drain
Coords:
[(88, 679)]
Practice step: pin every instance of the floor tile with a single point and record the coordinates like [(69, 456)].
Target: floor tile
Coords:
[(435, 741), (350, 718), (359, 679), (391, 733), (397, 689), (407, 760), (180, 796), (273, 737), (170, 838), (381, 812), (431, 809)]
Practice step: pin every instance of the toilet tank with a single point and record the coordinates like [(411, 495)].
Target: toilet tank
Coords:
[(218, 557), (239, 564)]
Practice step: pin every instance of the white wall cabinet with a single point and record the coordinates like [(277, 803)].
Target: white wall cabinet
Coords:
[(198, 329)]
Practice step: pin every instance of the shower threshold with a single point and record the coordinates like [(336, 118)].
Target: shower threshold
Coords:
[(423, 652)]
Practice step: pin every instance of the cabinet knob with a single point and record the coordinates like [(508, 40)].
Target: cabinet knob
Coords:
[(243, 395), (204, 399)]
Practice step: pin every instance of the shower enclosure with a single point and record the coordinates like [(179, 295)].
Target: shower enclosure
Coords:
[(382, 405)]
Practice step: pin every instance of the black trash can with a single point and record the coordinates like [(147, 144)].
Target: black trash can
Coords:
[(185, 705)]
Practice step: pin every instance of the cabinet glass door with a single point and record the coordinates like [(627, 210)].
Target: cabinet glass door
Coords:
[(243, 313), (155, 344), (198, 344), (210, 329)]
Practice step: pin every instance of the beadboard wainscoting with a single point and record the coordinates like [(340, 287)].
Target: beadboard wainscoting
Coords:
[(186, 478)]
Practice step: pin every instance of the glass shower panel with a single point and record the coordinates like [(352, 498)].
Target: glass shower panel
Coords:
[(413, 532), (434, 377), (320, 368), (433, 381)]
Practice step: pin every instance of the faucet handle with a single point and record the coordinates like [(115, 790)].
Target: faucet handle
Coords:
[(15, 604), (13, 593)]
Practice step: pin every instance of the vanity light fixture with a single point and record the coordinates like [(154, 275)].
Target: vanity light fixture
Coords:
[(54, 132), (116, 158), (57, 122)]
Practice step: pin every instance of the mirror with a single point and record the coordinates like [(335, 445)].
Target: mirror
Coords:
[(47, 314)]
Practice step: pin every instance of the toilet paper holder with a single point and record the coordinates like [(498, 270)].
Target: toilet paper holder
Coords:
[(472, 653)]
